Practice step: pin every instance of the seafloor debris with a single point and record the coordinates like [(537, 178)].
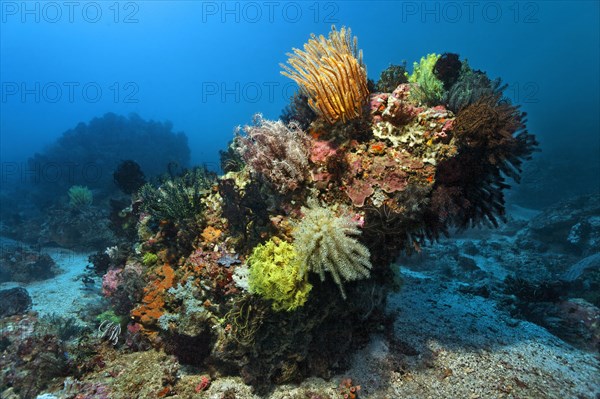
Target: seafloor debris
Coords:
[(14, 301), (22, 264)]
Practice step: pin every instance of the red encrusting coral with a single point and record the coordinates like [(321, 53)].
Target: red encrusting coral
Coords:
[(380, 166), (203, 384), (394, 107), (321, 150)]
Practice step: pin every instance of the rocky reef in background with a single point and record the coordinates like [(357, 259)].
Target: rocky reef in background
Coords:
[(21, 264), (88, 155), (63, 195), (558, 174), (542, 267)]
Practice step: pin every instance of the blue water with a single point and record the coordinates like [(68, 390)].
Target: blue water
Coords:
[(85, 85), (209, 66)]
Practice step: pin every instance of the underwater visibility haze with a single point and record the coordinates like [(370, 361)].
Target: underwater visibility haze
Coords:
[(321, 200)]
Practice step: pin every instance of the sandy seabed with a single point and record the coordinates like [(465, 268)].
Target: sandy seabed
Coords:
[(450, 345)]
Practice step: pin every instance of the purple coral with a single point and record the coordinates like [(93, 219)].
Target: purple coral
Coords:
[(321, 150), (111, 281), (359, 190), (277, 152)]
